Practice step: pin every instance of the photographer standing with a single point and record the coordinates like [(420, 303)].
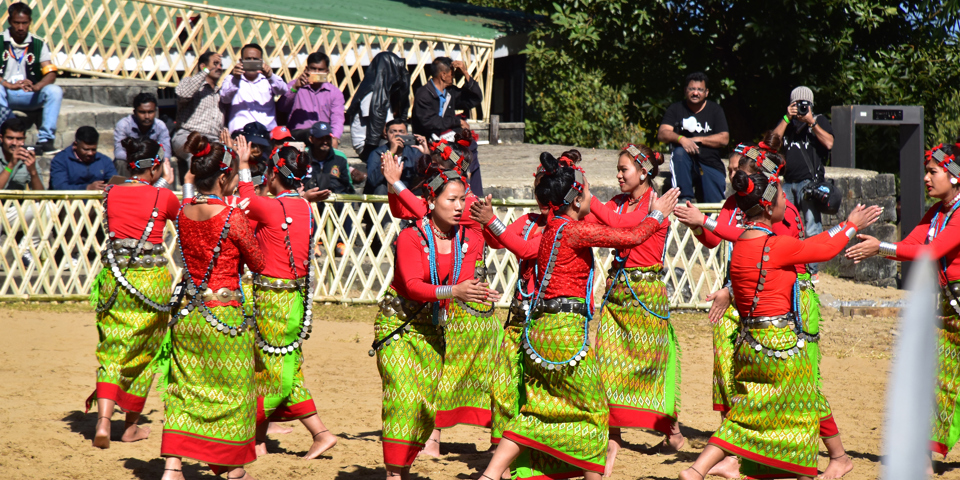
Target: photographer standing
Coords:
[(250, 91), (808, 139)]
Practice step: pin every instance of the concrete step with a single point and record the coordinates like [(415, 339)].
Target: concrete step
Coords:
[(75, 114), (105, 91)]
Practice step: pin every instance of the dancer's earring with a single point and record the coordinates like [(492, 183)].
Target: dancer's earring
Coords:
[(953, 180), (430, 206)]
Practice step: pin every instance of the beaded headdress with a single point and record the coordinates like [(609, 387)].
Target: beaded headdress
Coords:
[(947, 162)]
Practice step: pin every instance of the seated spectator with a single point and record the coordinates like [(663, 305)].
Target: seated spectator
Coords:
[(142, 124), (696, 130), (18, 163), (384, 90), (409, 154), (81, 167), (198, 108), (28, 75), (18, 171), (435, 104), (249, 95), (313, 99)]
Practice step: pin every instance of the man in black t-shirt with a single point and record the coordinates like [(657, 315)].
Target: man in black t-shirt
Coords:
[(696, 128), (808, 139)]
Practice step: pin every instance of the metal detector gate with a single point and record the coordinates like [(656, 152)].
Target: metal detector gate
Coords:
[(910, 120)]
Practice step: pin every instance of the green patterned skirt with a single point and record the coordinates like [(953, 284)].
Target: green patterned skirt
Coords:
[(564, 411), (774, 420), (410, 367), (130, 335), (208, 387), (639, 354), (946, 421), (810, 314), (507, 378), (464, 394), (281, 393), (724, 335)]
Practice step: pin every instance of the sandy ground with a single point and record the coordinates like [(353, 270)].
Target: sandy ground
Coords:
[(49, 366)]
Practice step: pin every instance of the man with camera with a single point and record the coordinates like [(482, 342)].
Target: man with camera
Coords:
[(808, 139), (198, 107), (250, 90), (313, 99), (408, 147), (435, 104)]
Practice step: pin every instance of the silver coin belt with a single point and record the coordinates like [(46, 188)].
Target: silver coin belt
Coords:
[(306, 291), (473, 311), (781, 321), (525, 344), (196, 293), (115, 263), (950, 293), (391, 305)]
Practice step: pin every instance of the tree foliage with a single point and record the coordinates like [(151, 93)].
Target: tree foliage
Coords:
[(602, 69)]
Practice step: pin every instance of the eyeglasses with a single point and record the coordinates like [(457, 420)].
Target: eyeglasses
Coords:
[(695, 89)]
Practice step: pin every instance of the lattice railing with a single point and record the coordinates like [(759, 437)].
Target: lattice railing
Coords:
[(160, 40), (50, 250)]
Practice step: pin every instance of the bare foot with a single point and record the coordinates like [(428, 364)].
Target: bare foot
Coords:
[(322, 442), (669, 446), (691, 474), (613, 446), (261, 449), (838, 467), (727, 468), (278, 429), (432, 448), (134, 433), (246, 476), (102, 438), (169, 474)]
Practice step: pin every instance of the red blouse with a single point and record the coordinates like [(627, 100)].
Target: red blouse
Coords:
[(525, 249), (945, 245), (575, 254), (728, 229), (411, 273), (198, 238), (129, 209), (785, 253), (268, 213), (648, 253)]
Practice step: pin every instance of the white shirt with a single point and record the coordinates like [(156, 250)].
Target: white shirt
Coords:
[(252, 101)]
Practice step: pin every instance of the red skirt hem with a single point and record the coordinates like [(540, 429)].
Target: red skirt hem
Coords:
[(627, 417), (828, 427), (754, 457), (593, 467), (400, 453), (213, 451), (127, 402), (480, 417)]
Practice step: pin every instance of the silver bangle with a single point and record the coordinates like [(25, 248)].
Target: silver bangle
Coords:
[(851, 232), (710, 224), (729, 287), (497, 227), (888, 249), (246, 176), (656, 215), (444, 292), (161, 183), (834, 230), (189, 191), (398, 186)]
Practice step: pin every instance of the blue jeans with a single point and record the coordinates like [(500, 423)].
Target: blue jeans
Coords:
[(686, 172), (811, 217), (48, 99)]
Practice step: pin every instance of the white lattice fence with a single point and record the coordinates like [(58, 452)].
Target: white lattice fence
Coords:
[(50, 250), (160, 40)]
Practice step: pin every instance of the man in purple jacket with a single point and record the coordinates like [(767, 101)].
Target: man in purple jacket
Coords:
[(313, 99)]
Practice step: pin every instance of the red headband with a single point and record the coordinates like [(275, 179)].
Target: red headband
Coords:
[(206, 151), (749, 188)]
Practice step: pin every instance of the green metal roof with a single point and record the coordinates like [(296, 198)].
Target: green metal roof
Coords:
[(432, 16)]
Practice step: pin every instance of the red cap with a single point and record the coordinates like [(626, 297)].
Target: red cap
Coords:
[(280, 133)]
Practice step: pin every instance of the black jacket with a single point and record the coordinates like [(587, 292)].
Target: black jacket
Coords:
[(426, 107), (388, 80)]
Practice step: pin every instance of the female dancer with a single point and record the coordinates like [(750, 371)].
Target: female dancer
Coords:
[(464, 393), (773, 421), (636, 346), (208, 378), (522, 238), (729, 226), (564, 412), (431, 270), (939, 238), (132, 291), (283, 295)]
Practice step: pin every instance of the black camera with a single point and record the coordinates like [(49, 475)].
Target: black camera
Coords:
[(803, 108)]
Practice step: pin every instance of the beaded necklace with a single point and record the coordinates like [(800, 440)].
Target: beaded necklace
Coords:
[(934, 231), (306, 292), (196, 292), (136, 180), (544, 282), (120, 275), (622, 261), (440, 317)]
